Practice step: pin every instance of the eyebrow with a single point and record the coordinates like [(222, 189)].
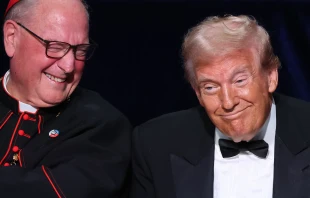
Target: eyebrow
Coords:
[(243, 69)]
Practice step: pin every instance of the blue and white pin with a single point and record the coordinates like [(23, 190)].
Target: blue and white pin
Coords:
[(53, 133)]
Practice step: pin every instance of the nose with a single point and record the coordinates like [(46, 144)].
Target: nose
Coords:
[(229, 98), (67, 62)]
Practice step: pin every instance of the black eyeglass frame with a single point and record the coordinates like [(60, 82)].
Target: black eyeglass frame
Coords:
[(47, 43)]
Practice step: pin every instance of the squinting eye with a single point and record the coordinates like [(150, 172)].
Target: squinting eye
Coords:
[(210, 89), (241, 81), (53, 49), (81, 53), (56, 47)]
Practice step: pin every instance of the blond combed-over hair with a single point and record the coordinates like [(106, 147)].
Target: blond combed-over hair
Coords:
[(217, 37)]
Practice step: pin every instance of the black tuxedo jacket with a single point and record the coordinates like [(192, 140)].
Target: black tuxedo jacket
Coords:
[(173, 155)]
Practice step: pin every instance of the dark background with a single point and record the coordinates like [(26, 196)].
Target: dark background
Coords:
[(138, 67)]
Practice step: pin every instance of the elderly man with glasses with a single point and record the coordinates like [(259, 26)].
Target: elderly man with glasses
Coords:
[(57, 139)]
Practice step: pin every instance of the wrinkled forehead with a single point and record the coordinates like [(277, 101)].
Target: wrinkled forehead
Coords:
[(230, 64), (216, 57)]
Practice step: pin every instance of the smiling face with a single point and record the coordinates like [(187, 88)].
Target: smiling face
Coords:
[(236, 94), (35, 78)]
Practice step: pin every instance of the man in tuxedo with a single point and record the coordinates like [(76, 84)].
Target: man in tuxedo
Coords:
[(243, 141)]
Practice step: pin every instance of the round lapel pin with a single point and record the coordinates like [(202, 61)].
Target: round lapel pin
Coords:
[(53, 133)]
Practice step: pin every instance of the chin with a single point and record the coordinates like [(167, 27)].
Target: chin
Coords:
[(50, 102)]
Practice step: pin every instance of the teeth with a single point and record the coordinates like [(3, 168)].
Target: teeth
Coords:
[(53, 78)]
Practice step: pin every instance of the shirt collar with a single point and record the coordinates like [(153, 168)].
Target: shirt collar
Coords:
[(22, 107)]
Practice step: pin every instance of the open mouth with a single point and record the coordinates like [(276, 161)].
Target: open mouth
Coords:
[(54, 78)]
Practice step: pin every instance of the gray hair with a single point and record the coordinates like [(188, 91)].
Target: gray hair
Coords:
[(24, 9), (219, 36)]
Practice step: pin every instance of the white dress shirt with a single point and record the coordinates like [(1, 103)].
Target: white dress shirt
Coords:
[(22, 107), (246, 175)]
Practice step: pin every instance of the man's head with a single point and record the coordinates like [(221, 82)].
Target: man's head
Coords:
[(230, 64), (42, 74)]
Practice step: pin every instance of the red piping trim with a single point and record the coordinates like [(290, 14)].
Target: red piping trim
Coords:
[(39, 124), (52, 177), (49, 179), (19, 158), (6, 120), (32, 113), (12, 138)]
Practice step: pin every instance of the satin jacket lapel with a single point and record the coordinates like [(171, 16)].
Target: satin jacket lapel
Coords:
[(292, 156), (193, 171)]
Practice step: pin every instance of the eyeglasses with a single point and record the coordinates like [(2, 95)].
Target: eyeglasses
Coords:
[(57, 49)]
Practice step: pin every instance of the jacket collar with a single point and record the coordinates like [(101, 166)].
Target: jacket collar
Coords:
[(287, 129)]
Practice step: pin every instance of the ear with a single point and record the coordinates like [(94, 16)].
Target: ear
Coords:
[(272, 80), (9, 37)]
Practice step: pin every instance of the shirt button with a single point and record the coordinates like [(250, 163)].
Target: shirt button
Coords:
[(21, 132), (26, 117), (15, 149), (6, 164)]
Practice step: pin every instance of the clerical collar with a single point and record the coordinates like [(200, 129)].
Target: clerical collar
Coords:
[(22, 106), (267, 131)]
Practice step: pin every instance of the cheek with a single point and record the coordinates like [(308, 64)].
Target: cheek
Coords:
[(253, 92), (79, 68), (33, 47), (210, 103), (244, 91), (34, 65)]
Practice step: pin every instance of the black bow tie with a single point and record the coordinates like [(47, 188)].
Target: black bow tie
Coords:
[(230, 148)]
